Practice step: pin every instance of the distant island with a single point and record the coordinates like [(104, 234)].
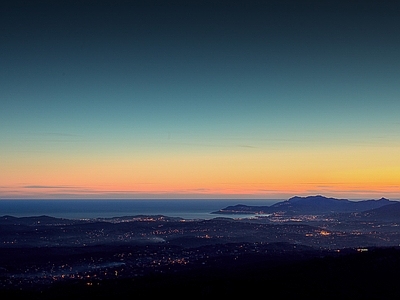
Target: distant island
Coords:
[(314, 205)]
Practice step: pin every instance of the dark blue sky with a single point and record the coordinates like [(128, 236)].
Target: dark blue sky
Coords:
[(110, 79)]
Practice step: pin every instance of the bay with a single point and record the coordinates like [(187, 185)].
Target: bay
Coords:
[(101, 208)]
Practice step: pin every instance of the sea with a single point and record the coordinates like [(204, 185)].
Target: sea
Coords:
[(101, 208)]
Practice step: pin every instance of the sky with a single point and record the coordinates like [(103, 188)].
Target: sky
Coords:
[(199, 99)]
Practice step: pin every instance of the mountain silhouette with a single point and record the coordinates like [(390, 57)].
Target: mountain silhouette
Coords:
[(385, 213), (321, 204), (309, 205)]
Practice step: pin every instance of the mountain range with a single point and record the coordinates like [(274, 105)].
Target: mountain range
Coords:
[(312, 205)]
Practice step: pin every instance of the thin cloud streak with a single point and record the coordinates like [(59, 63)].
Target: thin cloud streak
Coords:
[(49, 187)]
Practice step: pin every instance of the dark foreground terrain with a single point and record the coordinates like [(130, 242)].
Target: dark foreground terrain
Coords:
[(311, 248), (351, 274)]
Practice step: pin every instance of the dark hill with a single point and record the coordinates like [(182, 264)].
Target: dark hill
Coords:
[(244, 209), (320, 204), (385, 213), (35, 220), (309, 205)]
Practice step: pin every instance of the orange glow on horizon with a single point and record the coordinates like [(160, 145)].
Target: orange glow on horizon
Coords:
[(222, 191), (347, 172)]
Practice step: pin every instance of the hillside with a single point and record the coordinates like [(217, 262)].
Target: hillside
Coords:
[(309, 205)]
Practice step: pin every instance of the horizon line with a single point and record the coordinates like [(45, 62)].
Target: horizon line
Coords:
[(182, 197)]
